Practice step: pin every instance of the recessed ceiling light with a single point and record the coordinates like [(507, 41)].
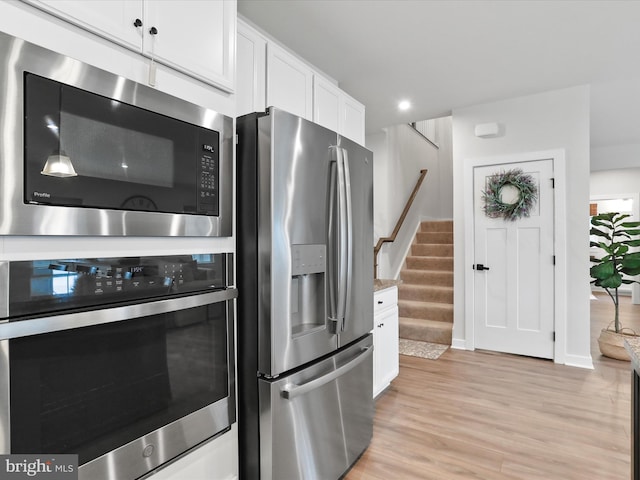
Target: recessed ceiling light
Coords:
[(404, 105)]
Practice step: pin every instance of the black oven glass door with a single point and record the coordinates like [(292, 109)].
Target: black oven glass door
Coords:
[(124, 157), (91, 390)]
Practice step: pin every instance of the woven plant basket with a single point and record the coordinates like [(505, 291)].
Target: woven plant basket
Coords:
[(612, 344)]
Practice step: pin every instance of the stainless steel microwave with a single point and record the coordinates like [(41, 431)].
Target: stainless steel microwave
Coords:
[(86, 152)]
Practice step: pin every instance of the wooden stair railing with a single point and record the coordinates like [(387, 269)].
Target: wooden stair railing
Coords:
[(394, 234)]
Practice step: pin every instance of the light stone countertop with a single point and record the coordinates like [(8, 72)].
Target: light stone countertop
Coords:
[(381, 283)]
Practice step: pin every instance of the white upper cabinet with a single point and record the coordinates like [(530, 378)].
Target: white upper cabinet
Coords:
[(352, 115), (326, 103), (114, 20), (251, 64), (289, 83), (192, 36), (268, 75), (336, 110)]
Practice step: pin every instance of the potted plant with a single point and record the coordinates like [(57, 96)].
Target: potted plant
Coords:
[(616, 237)]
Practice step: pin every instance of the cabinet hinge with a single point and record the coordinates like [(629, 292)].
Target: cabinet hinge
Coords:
[(554, 259), (553, 183), (553, 336)]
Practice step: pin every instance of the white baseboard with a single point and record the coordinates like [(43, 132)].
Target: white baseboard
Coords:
[(578, 361), (458, 344)]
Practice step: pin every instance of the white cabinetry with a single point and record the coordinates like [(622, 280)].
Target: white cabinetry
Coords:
[(112, 19), (385, 338), (269, 75), (326, 103), (194, 37), (289, 82), (352, 113), (334, 109), (251, 70)]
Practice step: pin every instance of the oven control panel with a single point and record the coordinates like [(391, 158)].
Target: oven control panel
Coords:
[(41, 286)]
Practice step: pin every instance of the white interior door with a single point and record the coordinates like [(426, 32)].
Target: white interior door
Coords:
[(514, 297)]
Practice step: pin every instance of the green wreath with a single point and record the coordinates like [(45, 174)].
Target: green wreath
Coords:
[(494, 207)]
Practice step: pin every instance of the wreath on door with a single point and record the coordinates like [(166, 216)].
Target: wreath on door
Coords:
[(496, 206)]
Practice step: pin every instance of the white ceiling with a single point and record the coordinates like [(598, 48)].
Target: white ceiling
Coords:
[(443, 55)]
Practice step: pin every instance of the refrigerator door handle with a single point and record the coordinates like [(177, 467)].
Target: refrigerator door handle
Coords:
[(332, 228), (348, 224), (292, 390)]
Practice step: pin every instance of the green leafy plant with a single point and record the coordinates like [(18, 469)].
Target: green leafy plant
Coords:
[(616, 239)]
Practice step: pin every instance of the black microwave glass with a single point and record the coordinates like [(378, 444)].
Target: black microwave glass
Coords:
[(115, 155)]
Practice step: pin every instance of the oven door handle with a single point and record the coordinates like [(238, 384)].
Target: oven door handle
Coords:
[(292, 390), (55, 323)]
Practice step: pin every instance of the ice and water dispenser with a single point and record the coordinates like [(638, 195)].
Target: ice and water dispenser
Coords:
[(308, 265)]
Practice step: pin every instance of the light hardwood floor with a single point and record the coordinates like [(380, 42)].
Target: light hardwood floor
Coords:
[(481, 415)]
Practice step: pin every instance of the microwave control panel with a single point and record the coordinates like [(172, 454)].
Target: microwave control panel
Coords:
[(208, 173)]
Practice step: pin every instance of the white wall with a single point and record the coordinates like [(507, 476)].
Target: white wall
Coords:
[(399, 154), (615, 157), (551, 120), (607, 182)]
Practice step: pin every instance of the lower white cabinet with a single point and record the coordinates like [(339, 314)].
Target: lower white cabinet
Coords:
[(385, 338)]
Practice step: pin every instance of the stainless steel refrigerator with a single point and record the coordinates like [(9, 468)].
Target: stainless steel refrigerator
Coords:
[(305, 306)]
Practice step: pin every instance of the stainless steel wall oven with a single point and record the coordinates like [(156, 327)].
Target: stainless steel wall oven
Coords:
[(127, 362), (86, 152)]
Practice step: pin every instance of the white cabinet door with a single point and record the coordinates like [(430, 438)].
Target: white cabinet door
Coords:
[(385, 344), (112, 19), (289, 83), (334, 109), (385, 339), (327, 102), (251, 62), (353, 117), (195, 37)]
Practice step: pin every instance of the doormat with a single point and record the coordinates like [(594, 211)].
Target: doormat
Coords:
[(413, 348)]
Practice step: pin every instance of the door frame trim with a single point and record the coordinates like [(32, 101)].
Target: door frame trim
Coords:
[(560, 242)]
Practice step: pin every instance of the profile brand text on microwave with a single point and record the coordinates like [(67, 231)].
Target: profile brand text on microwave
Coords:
[(208, 148)]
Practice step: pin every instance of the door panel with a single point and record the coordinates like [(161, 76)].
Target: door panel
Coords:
[(495, 248), (318, 433), (295, 177), (514, 298), (359, 313)]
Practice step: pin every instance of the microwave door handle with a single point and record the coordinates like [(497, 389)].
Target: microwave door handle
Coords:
[(292, 390), (348, 231)]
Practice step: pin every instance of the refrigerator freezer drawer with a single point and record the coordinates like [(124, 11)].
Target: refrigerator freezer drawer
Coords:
[(315, 423)]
